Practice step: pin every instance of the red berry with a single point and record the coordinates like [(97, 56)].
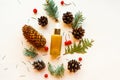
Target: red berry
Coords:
[(62, 2), (80, 59), (46, 48), (66, 43), (34, 10), (69, 42), (46, 75)]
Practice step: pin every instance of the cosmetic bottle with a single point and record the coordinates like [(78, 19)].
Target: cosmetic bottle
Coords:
[(56, 41)]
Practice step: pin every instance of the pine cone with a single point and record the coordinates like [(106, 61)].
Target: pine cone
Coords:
[(43, 21), (39, 65), (78, 33), (73, 65), (33, 37), (67, 17)]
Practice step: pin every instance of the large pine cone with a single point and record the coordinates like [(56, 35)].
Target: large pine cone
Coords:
[(67, 17), (39, 65), (33, 37), (73, 65), (43, 21), (78, 33)]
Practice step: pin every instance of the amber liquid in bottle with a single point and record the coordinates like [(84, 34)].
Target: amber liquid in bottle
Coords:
[(56, 40)]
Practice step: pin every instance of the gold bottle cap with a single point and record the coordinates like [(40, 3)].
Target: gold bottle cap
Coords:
[(57, 31)]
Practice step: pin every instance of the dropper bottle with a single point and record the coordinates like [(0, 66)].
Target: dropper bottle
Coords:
[(56, 41)]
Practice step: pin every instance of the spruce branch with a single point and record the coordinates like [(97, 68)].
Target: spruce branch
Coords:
[(51, 9), (50, 68), (30, 52), (81, 47), (78, 19), (58, 72)]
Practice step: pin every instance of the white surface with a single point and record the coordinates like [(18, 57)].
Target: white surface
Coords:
[(102, 62)]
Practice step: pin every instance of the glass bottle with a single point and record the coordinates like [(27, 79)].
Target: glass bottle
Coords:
[(56, 41)]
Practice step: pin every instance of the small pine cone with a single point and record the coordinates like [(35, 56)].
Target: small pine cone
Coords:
[(73, 65), (39, 65), (78, 33), (67, 17), (33, 37), (43, 21)]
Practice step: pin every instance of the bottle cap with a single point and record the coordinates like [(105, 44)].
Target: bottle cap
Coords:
[(57, 31)]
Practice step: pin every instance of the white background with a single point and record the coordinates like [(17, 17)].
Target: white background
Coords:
[(102, 23)]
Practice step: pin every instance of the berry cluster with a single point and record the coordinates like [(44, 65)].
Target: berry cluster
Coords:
[(67, 43)]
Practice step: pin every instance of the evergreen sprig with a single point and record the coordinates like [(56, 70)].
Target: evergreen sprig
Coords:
[(30, 52), (78, 19), (81, 47), (58, 72), (51, 9), (50, 68)]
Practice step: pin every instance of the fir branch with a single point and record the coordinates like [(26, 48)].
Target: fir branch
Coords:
[(51, 9), (30, 53), (50, 68), (81, 47), (58, 72), (78, 19)]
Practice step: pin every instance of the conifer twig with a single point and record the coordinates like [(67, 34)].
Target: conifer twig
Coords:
[(51, 9), (81, 47), (78, 19)]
